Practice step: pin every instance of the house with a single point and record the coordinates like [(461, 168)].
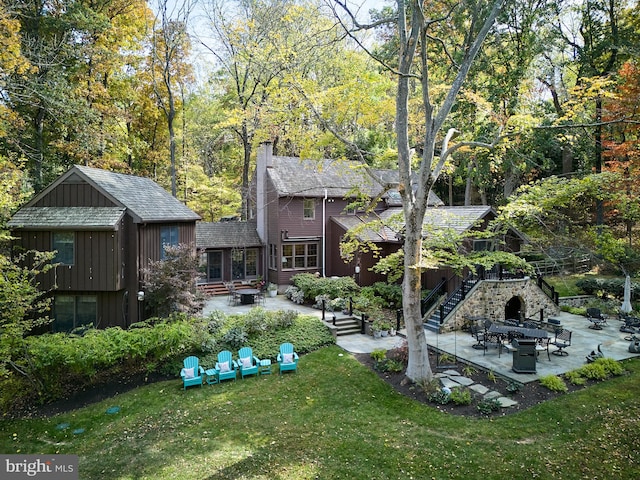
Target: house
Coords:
[(301, 210), (105, 228), (294, 201)]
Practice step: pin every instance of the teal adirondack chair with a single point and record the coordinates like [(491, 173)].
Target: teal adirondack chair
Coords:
[(226, 366), (247, 362), (191, 373), (287, 358)]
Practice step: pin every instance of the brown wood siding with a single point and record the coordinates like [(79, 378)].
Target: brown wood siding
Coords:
[(150, 239), (74, 195), (95, 265), (111, 309)]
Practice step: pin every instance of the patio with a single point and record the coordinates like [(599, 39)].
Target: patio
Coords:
[(459, 344)]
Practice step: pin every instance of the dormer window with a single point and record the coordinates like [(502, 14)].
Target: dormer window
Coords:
[(309, 209)]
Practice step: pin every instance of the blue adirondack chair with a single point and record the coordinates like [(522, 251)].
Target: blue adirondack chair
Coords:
[(226, 366), (191, 373), (247, 362), (287, 358)]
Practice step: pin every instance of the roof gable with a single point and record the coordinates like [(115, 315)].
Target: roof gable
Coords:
[(145, 200)]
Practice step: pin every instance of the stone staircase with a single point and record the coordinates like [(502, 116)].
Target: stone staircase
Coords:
[(433, 322), (343, 324)]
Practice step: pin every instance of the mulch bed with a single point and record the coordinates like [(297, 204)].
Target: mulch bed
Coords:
[(530, 394)]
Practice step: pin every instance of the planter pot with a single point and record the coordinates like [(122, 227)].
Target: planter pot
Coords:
[(392, 332), (384, 333), (273, 293), (367, 328), (377, 334)]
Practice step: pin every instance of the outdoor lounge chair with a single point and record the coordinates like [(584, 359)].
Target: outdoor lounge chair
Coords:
[(191, 372), (287, 358), (247, 362), (226, 366), (562, 341)]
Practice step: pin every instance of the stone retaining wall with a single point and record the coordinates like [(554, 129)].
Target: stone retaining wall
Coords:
[(489, 298), (576, 301)]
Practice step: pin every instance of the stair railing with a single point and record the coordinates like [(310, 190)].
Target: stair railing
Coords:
[(455, 298), (548, 290), (427, 302)]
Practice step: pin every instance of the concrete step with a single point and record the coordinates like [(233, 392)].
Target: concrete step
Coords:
[(344, 325)]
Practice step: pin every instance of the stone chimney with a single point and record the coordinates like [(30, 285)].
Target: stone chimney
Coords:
[(264, 160)]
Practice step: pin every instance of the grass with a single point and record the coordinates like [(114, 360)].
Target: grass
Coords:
[(565, 285), (335, 419)]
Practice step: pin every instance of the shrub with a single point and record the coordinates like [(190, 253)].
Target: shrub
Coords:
[(283, 318), (514, 387), (313, 286), (611, 366), (215, 320), (574, 310), (487, 406), (468, 370), (441, 397), (553, 383), (294, 294), (392, 365), (235, 338), (593, 371), (575, 378), (461, 396), (255, 321), (379, 354)]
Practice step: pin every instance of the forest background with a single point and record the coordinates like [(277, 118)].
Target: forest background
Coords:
[(184, 91)]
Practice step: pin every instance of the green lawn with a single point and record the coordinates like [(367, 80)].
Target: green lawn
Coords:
[(334, 419)]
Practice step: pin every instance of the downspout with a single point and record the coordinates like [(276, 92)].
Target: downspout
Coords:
[(324, 231)]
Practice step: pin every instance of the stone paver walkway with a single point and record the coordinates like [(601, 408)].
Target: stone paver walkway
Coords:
[(452, 379)]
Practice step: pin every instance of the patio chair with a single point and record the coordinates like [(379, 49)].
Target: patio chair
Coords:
[(234, 296), (478, 334), (287, 358), (226, 366), (191, 372), (511, 322), (542, 345), (247, 362), (562, 341), (596, 318)]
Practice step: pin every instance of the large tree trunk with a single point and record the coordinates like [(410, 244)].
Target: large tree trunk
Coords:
[(413, 39), (419, 366)]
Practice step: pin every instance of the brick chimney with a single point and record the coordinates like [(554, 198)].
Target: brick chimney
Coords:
[(264, 160)]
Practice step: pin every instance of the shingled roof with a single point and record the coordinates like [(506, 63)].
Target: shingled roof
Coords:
[(313, 178), (459, 219), (72, 218), (145, 200), (227, 234)]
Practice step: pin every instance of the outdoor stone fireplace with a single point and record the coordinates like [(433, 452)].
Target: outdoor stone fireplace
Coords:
[(500, 299)]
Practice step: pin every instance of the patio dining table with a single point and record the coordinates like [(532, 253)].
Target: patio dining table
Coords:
[(247, 295), (499, 332), (536, 333)]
